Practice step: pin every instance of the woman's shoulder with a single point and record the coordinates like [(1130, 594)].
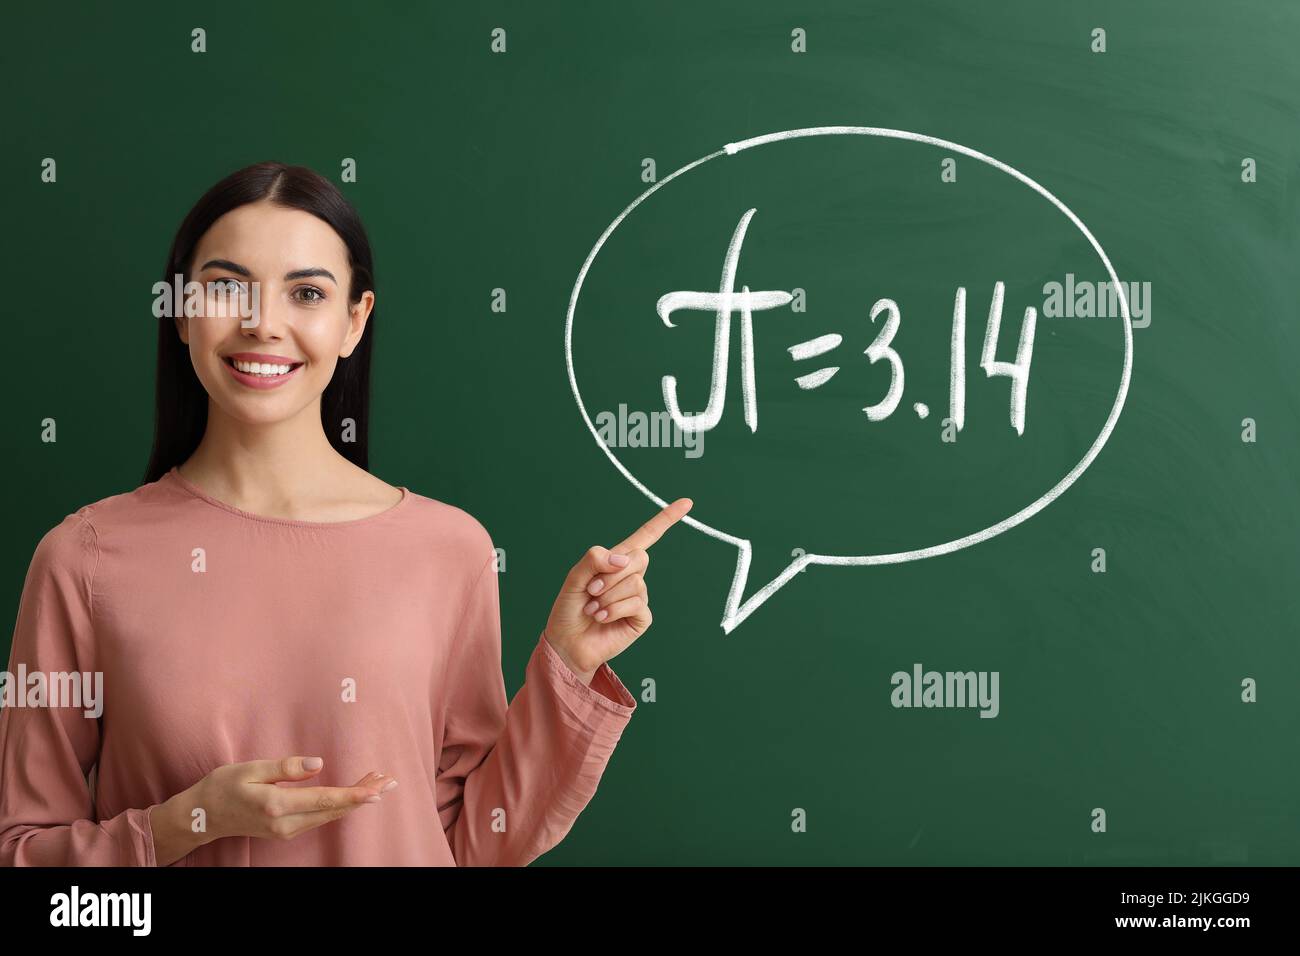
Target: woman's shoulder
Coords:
[(72, 544), (426, 514), (446, 536), (118, 506), (126, 507), (449, 522), (68, 547)]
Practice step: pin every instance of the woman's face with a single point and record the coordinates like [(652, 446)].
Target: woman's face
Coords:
[(303, 318)]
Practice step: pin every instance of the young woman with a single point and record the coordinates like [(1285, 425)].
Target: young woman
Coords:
[(282, 636)]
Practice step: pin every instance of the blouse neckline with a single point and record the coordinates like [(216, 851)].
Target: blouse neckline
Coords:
[(199, 493)]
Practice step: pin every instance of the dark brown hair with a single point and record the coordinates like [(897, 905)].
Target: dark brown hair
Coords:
[(181, 402)]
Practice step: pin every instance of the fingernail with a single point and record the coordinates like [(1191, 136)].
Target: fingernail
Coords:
[(374, 799), (618, 560), (591, 607), (388, 786), (313, 763), (602, 614), (596, 586)]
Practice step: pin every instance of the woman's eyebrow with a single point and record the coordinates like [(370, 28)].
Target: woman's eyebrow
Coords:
[(288, 276), (308, 273), (225, 264)]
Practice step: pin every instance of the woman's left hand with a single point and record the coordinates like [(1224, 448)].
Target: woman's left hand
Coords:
[(604, 605)]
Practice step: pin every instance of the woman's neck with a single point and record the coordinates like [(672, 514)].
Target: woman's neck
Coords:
[(284, 468)]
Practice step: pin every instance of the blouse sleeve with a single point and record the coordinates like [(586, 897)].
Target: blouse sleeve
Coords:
[(512, 780), (47, 810)]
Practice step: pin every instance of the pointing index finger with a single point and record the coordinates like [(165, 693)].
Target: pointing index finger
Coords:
[(654, 529)]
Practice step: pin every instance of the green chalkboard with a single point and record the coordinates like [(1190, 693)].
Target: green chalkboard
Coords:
[(1116, 547)]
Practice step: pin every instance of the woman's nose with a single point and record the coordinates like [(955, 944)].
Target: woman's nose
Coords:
[(267, 317)]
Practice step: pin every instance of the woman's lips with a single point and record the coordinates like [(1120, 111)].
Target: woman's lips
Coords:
[(259, 381)]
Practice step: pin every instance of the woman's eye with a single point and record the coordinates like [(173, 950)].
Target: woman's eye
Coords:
[(310, 294), (232, 285)]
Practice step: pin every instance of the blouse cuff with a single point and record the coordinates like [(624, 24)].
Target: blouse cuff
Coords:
[(141, 823), (606, 692)]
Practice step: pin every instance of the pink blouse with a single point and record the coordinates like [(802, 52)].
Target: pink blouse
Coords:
[(223, 636)]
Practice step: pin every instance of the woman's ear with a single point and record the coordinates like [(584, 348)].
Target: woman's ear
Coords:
[(358, 314), (182, 328)]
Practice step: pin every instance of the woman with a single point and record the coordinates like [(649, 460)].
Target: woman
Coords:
[(282, 636)]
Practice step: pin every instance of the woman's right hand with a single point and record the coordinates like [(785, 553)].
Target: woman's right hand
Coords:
[(246, 799)]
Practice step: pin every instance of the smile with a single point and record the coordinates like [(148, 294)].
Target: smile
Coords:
[(260, 374)]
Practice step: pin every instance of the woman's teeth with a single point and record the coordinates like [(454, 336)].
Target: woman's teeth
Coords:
[(261, 368)]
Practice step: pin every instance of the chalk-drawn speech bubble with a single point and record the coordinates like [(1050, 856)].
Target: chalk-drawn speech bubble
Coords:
[(737, 610)]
